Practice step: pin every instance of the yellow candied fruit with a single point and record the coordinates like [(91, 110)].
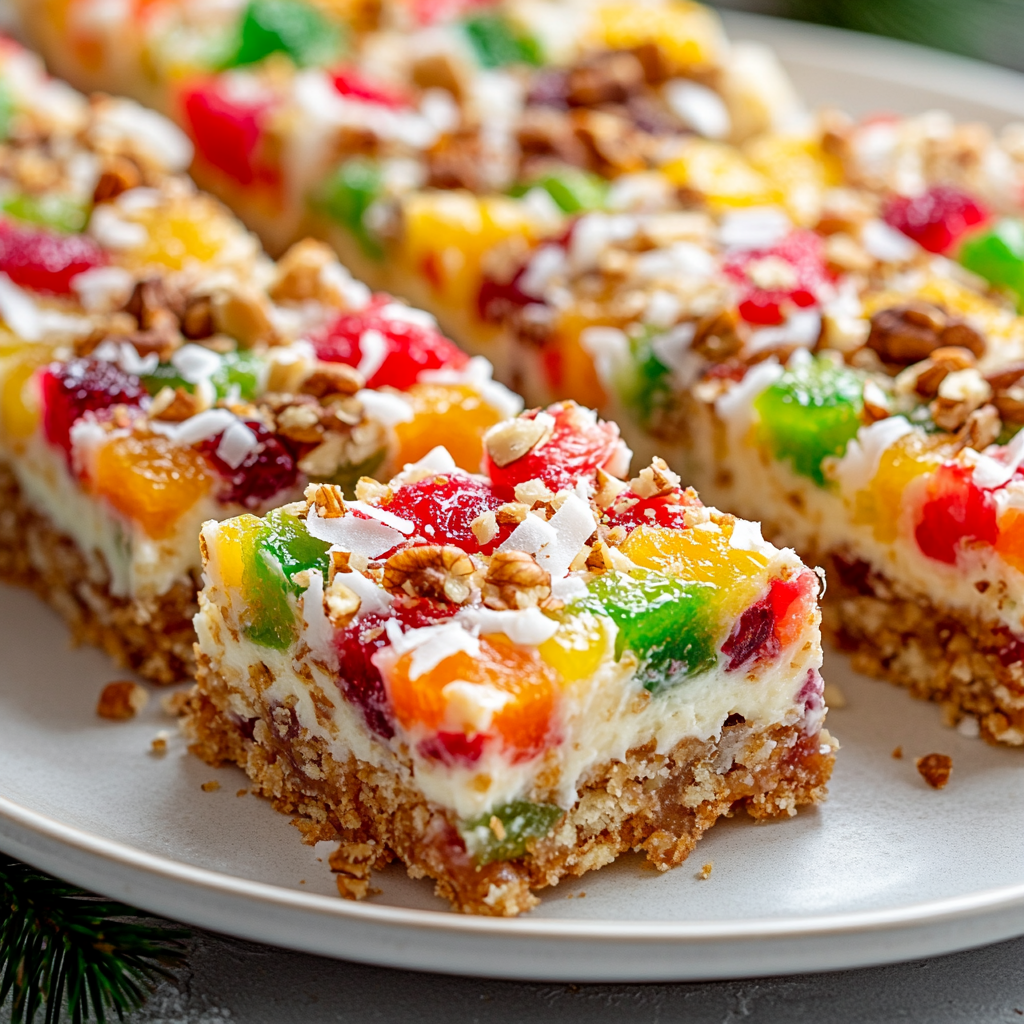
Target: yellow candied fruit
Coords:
[(578, 648), (901, 463), (703, 554), (181, 231), (19, 393), (1010, 543), (453, 415), (151, 480), (689, 35), (721, 175), (231, 550), (801, 170), (447, 234)]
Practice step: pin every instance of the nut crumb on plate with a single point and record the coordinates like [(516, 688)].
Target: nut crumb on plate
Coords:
[(210, 787), (121, 700), (935, 769), (705, 871), (897, 754)]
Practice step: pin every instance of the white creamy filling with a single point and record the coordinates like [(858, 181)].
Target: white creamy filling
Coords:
[(139, 566), (598, 719)]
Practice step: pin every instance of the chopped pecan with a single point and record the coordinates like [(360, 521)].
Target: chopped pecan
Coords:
[(981, 429), (935, 769), (1010, 404), (876, 404), (612, 76), (197, 317), (938, 366), (655, 480), (154, 306), (608, 489), (297, 275), (457, 160), (173, 405), (351, 864), (485, 527), (118, 174), (439, 71), (121, 700), (372, 491), (512, 439), (300, 423), (960, 393), (341, 603), (717, 336), (515, 580), (1005, 378), (331, 379), (903, 335), (432, 570), (614, 144), (242, 313), (542, 131), (327, 499)]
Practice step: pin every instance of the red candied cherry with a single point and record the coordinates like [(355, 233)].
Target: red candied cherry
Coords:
[(956, 509), (773, 623), (454, 748), (791, 273), (46, 261), (665, 510), (443, 508), (938, 218), (496, 299), (76, 387), (578, 446), (350, 83), (228, 131), (268, 469), (397, 351)]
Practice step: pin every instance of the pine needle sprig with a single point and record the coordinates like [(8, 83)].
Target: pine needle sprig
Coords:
[(61, 946)]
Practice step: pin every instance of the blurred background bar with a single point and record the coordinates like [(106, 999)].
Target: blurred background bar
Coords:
[(991, 30)]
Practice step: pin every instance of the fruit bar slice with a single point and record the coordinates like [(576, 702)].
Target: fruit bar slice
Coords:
[(157, 370), (501, 680)]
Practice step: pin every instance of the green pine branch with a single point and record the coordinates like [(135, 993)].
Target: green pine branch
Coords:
[(62, 947)]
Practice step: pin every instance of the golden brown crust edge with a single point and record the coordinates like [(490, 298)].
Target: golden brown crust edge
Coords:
[(938, 654), (154, 638), (630, 805)]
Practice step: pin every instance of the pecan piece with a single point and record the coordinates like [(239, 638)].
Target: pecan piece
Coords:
[(430, 570), (197, 317), (351, 864), (118, 174), (173, 405), (935, 769), (121, 700), (331, 379), (655, 480), (341, 603), (903, 335), (327, 499), (515, 580), (298, 271), (717, 336)]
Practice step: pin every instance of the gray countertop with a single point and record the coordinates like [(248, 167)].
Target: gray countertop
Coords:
[(227, 979)]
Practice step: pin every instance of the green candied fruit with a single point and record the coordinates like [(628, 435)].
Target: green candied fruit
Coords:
[(521, 820), (6, 110), (165, 376), (496, 43), (997, 255), (811, 412), (671, 625), (298, 30), (349, 192), (573, 190), (644, 385), (242, 370), (62, 213), (279, 549)]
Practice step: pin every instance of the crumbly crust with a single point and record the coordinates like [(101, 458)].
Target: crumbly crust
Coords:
[(660, 804), (937, 653), (153, 637)]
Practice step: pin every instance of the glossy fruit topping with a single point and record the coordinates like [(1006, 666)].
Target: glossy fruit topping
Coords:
[(997, 255), (151, 480), (507, 693), (455, 416), (227, 131), (267, 470), (667, 510), (810, 412), (936, 219), (572, 189), (443, 508), (578, 446), (775, 281), (773, 623), (300, 31), (49, 210), (348, 193), (76, 387), (521, 821), (350, 83), (392, 344), (497, 43), (955, 510), (46, 261)]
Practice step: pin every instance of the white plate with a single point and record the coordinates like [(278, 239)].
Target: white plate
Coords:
[(887, 870)]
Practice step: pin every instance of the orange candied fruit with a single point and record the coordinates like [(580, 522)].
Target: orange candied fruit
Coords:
[(1010, 543), (520, 676), (151, 480), (454, 415)]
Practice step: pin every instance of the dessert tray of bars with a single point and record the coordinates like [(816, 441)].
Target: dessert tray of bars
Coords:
[(448, 432)]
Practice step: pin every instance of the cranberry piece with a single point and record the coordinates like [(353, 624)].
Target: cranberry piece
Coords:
[(753, 636), (454, 748), (579, 445), (495, 301), (46, 261), (358, 678), (956, 509), (76, 387), (348, 82), (773, 280), (227, 131), (666, 510), (266, 470), (444, 507), (408, 348), (938, 218)]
